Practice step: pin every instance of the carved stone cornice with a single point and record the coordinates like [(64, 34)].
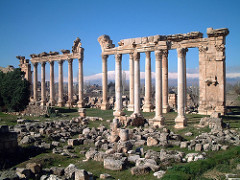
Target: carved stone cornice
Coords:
[(217, 32), (76, 45), (105, 42), (202, 49), (220, 48)]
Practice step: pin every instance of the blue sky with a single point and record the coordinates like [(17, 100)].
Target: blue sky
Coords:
[(34, 26)]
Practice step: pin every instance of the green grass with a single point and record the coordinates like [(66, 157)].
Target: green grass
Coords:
[(7, 119)]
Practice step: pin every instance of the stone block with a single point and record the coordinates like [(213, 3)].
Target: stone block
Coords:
[(198, 147), (152, 141), (112, 164), (81, 174), (140, 170), (34, 167)]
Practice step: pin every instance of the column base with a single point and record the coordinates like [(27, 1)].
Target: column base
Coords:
[(180, 122), (147, 107), (69, 104), (118, 113), (51, 103), (80, 104), (157, 122), (105, 106), (60, 104), (166, 109), (43, 103), (130, 107)]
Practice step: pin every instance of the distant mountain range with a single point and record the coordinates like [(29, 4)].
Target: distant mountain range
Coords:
[(192, 78)]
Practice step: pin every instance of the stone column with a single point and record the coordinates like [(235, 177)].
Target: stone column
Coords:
[(158, 120), (136, 57), (118, 85), (166, 107), (43, 84), (70, 83), (185, 80), (80, 82), (148, 83), (35, 82), (181, 120), (52, 88), (105, 104), (131, 83), (60, 84)]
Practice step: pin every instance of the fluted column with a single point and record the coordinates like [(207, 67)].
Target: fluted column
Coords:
[(43, 84), (52, 88), (70, 83), (131, 83), (105, 104), (35, 65), (158, 120), (60, 84), (166, 107), (118, 85), (136, 58), (80, 82), (148, 83), (181, 120), (185, 79)]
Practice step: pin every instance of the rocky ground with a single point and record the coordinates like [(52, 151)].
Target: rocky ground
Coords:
[(141, 150)]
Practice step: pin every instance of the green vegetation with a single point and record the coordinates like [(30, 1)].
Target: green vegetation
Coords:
[(14, 91)]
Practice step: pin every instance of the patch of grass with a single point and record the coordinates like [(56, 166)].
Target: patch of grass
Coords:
[(7, 119)]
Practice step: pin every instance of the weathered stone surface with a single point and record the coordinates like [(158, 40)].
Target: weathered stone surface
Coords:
[(159, 174), (24, 173), (81, 174), (133, 158), (140, 170), (116, 165), (57, 171), (152, 141), (105, 176), (34, 167), (70, 171)]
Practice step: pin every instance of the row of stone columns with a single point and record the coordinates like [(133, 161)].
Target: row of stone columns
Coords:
[(161, 87), (60, 102)]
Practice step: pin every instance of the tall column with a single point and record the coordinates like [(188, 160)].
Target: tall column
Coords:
[(70, 83), (105, 104), (131, 83), (148, 83), (166, 107), (80, 82), (185, 79), (52, 88), (60, 84), (181, 121), (35, 82), (136, 57), (43, 84), (118, 85), (158, 120)]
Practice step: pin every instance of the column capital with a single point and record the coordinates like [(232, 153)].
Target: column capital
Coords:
[(182, 52), (104, 57), (118, 57), (43, 63), (35, 64), (165, 52), (60, 62), (51, 63), (70, 61), (136, 56), (148, 54), (130, 55), (80, 60), (158, 54)]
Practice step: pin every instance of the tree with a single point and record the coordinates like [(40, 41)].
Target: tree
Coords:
[(14, 90)]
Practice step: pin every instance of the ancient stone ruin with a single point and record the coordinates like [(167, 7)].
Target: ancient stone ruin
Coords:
[(212, 76)]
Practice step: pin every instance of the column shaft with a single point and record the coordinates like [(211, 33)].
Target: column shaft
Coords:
[(148, 83), (104, 105), (60, 84), (181, 120), (80, 83), (70, 83), (136, 57), (43, 84), (166, 107), (158, 120), (118, 85), (52, 88), (35, 82), (131, 83)]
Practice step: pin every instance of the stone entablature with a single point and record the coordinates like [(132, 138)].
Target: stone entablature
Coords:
[(212, 75), (51, 57)]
